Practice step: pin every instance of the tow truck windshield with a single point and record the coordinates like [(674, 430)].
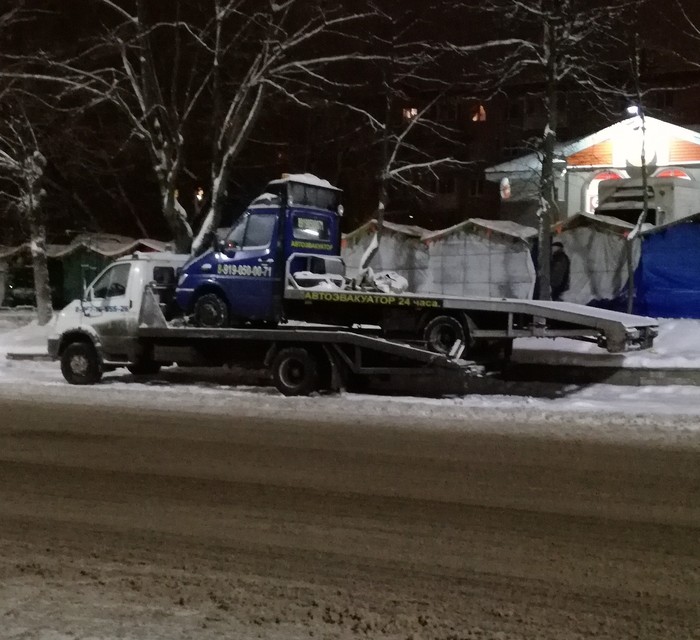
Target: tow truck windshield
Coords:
[(308, 195)]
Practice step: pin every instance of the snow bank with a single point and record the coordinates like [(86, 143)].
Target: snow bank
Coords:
[(28, 339), (650, 415), (676, 347), (13, 319)]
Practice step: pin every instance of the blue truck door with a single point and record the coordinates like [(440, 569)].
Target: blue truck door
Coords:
[(248, 270)]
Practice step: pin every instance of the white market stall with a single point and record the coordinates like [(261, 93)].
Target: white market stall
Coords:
[(400, 250), (597, 248), (489, 258)]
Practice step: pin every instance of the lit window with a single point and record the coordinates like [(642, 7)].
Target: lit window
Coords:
[(409, 113), (479, 113), (672, 173)]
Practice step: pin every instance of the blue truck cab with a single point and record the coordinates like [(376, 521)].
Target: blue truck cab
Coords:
[(241, 278)]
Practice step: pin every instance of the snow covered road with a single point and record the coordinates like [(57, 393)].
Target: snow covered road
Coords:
[(140, 522), (613, 413)]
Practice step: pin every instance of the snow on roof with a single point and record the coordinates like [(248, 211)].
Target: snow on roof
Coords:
[(371, 225), (532, 161), (266, 199), (110, 246), (304, 178), (502, 227), (158, 255), (596, 220)]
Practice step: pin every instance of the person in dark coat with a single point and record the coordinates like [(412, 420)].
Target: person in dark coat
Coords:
[(559, 270)]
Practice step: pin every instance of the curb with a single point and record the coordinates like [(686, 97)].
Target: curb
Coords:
[(42, 357), (516, 372)]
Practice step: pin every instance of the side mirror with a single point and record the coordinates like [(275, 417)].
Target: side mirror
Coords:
[(226, 246)]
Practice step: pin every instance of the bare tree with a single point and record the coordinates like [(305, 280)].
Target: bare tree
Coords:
[(420, 70), (23, 169), (559, 45), (266, 51), (155, 89)]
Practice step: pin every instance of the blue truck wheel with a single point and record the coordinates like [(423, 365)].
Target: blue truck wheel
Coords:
[(211, 310)]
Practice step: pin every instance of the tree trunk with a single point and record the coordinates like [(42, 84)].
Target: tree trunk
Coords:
[(42, 287), (381, 208), (182, 234), (211, 221), (383, 195), (176, 218), (634, 235), (3, 280), (548, 200), (222, 166), (547, 209), (34, 173)]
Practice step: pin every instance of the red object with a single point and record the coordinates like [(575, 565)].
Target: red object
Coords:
[(608, 175), (672, 173)]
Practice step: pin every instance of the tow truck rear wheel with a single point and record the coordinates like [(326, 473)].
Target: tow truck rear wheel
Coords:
[(295, 372), (442, 332), (80, 364), (211, 310)]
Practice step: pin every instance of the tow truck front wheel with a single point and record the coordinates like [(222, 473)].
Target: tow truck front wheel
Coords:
[(211, 310), (80, 364), (295, 372)]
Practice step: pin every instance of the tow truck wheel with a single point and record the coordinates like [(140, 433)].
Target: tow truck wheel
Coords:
[(441, 333), (80, 364), (295, 372), (211, 310)]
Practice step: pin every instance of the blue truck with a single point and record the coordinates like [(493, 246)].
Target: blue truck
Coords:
[(240, 280), (274, 292)]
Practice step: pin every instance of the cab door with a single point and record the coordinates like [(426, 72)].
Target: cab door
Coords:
[(108, 308), (248, 269)]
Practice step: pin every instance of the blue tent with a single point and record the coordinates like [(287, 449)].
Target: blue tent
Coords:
[(668, 277)]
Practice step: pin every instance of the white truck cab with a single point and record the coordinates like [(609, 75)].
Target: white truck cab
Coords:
[(98, 332)]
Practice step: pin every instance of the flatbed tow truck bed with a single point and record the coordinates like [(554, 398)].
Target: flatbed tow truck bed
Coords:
[(613, 330), (357, 352)]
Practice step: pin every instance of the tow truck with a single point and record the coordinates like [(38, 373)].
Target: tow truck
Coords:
[(274, 292)]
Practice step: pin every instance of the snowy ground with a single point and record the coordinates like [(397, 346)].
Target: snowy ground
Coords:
[(676, 347), (597, 406), (193, 506)]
